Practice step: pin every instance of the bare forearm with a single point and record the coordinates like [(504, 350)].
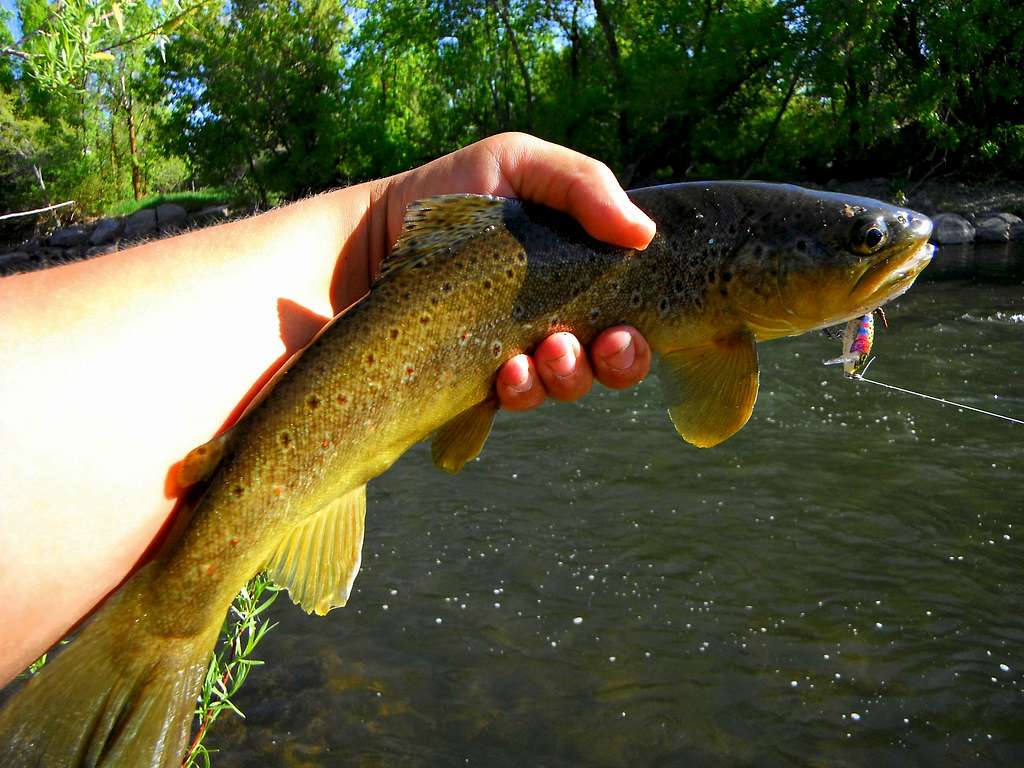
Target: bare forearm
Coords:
[(112, 369)]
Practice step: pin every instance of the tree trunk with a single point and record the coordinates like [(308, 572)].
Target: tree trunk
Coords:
[(601, 10), (133, 144), (523, 69)]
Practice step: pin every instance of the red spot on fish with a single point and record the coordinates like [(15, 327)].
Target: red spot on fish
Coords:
[(210, 569), (233, 542), (278, 490), (325, 444)]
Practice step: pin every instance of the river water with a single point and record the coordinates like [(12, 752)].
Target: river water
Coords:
[(841, 583)]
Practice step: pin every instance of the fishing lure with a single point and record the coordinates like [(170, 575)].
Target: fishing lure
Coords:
[(858, 339)]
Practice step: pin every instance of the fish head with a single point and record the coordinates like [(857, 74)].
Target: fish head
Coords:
[(818, 259)]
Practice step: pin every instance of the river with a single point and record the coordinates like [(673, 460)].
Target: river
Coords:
[(841, 583)]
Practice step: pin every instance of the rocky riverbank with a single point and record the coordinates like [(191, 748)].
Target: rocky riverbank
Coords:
[(963, 213), (89, 239)]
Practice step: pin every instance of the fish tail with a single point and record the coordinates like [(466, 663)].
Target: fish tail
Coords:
[(117, 696)]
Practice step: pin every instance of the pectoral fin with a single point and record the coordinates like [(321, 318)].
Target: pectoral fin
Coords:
[(462, 438), (198, 464), (710, 390), (318, 561)]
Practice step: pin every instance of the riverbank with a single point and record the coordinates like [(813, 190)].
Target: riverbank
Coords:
[(963, 213)]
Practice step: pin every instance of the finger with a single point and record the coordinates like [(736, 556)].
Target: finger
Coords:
[(621, 357), (563, 368), (581, 186), (519, 388)]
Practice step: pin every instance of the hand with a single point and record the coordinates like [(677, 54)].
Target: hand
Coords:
[(517, 165)]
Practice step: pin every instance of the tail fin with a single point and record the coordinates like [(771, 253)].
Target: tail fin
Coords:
[(116, 697)]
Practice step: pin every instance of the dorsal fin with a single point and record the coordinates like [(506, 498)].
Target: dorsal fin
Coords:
[(440, 223), (319, 559)]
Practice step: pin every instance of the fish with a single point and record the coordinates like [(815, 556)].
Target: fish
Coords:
[(471, 282)]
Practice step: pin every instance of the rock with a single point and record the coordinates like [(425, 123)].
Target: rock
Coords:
[(105, 231), (69, 238), (140, 223), (170, 215), (209, 215), (952, 228), (14, 260), (998, 228), (99, 251)]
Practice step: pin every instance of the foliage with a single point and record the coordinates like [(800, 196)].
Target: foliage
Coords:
[(243, 630), (280, 98)]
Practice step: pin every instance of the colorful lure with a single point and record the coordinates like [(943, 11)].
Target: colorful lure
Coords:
[(857, 341)]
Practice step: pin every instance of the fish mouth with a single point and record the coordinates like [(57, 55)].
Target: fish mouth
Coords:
[(889, 278)]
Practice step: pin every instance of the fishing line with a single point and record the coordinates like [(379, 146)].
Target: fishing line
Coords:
[(860, 377)]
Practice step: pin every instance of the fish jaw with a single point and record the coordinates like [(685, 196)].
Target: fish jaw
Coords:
[(832, 283)]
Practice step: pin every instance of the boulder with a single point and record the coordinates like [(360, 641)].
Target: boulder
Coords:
[(106, 230), (951, 228), (99, 250), (170, 215), (209, 215), (14, 260), (998, 228), (71, 237), (140, 223)]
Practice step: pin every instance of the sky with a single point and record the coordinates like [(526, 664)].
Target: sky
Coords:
[(8, 5)]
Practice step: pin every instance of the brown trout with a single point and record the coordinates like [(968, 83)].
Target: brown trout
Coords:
[(471, 282)]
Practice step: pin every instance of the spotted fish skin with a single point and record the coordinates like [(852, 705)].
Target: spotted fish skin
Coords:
[(473, 281)]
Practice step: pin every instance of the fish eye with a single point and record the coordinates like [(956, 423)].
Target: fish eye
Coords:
[(870, 236)]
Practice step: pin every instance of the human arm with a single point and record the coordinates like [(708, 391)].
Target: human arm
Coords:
[(111, 370)]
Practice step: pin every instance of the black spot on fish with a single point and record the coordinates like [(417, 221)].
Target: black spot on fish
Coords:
[(313, 402), (394, 334), (342, 399), (370, 359), (758, 250), (510, 273), (726, 277), (711, 275), (285, 439), (801, 245), (447, 287), (487, 285), (518, 313), (496, 349), (424, 319), (636, 299), (238, 490), (594, 314), (663, 305), (678, 285)]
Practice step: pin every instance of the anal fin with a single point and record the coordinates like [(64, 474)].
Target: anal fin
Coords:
[(710, 390), (462, 438), (318, 561)]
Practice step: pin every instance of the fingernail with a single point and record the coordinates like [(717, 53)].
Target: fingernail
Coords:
[(624, 358), (519, 379), (563, 366)]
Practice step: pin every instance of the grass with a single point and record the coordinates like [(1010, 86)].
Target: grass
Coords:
[(190, 201), (243, 630)]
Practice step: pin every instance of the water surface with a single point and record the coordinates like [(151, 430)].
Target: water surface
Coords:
[(841, 583)]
